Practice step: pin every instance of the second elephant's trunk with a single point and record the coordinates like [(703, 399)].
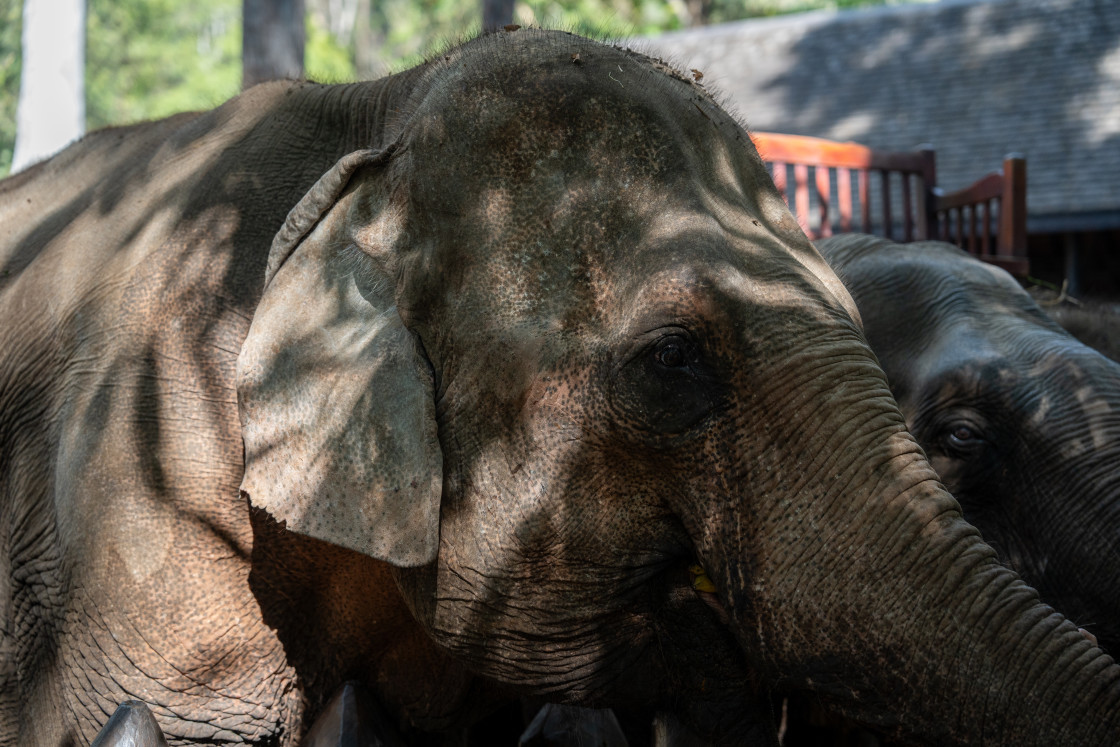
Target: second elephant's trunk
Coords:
[(853, 575)]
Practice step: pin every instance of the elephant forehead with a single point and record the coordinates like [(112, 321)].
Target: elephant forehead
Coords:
[(619, 267), (1022, 368), (541, 153), (559, 77), (556, 240), (936, 283), (513, 118), (543, 185)]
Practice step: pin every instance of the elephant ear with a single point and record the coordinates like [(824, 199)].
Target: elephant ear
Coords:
[(336, 396)]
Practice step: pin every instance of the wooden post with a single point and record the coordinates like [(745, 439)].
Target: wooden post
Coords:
[(907, 210), (864, 201), (1072, 261), (1013, 208), (780, 180), (887, 218), (844, 197), (927, 205), (824, 196), (801, 195)]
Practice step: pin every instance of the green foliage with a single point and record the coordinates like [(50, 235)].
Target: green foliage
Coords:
[(147, 59), (10, 14), (325, 60), (599, 18), (403, 31)]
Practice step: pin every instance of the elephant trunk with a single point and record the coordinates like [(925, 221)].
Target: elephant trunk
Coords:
[(1072, 555), (1064, 534), (977, 653), (871, 590)]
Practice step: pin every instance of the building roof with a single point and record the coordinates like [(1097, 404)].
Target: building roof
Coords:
[(976, 79)]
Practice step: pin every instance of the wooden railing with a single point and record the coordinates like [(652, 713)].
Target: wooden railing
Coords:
[(837, 168), (996, 203), (894, 194)]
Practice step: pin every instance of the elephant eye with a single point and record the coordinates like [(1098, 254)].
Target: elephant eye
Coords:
[(670, 354), (667, 387), (963, 439)]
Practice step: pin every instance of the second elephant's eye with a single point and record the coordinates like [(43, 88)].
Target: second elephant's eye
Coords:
[(963, 439), (962, 434)]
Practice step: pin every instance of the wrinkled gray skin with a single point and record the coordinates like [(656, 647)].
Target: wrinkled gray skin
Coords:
[(1095, 324), (536, 335), (1020, 419)]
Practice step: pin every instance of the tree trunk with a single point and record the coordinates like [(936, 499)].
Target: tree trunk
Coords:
[(496, 14), (272, 40), (52, 106), (367, 44), (699, 12)]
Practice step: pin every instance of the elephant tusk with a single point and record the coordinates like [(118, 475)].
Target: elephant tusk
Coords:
[(1088, 636), (700, 580)]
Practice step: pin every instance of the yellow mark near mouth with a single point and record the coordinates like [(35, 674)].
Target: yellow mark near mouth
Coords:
[(700, 580)]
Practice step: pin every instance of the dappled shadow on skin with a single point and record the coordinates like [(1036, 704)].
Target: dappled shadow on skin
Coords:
[(153, 545), (564, 618), (566, 605), (548, 613), (147, 415), (189, 299), (1040, 485), (1021, 422), (180, 325), (147, 329), (341, 618), (114, 160)]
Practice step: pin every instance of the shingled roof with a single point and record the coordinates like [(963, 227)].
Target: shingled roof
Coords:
[(976, 79)]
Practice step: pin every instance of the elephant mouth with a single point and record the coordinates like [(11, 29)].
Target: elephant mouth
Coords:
[(706, 592)]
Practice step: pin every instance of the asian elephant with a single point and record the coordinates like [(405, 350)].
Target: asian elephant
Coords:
[(441, 384), (1020, 419)]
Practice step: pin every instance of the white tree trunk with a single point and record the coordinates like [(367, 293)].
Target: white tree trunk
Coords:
[(52, 104)]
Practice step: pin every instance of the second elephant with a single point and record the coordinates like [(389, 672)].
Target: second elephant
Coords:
[(1020, 420)]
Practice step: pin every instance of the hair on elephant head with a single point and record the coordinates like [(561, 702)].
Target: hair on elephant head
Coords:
[(1020, 420), (545, 395)]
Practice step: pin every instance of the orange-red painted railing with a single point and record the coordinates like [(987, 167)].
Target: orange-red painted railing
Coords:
[(850, 179)]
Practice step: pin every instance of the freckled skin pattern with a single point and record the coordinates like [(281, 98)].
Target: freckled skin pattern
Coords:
[(1020, 420), (633, 361)]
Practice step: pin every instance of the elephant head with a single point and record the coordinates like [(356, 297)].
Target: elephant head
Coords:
[(560, 340), (1020, 420)]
